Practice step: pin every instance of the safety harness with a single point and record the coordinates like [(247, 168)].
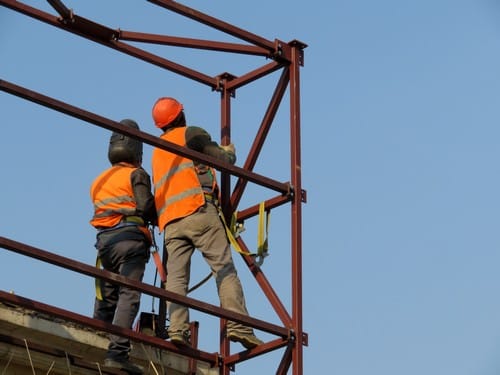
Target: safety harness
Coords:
[(233, 231), (148, 233)]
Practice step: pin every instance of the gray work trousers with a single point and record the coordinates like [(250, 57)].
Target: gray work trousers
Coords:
[(202, 230), (120, 305)]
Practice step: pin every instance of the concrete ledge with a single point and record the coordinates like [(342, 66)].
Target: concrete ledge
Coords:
[(31, 340)]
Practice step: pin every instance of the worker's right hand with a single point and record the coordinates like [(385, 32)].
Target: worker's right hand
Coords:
[(229, 148)]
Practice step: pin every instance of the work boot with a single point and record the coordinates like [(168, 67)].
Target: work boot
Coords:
[(125, 365), (248, 340), (179, 338)]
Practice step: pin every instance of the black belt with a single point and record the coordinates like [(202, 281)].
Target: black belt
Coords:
[(117, 226), (125, 222)]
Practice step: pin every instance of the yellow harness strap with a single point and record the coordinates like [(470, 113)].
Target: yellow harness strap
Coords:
[(233, 231), (98, 292), (230, 231), (262, 244)]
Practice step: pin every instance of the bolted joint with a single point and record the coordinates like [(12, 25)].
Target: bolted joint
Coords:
[(220, 83), (282, 51)]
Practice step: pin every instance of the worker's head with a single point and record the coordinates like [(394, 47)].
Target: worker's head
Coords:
[(123, 148), (168, 112)]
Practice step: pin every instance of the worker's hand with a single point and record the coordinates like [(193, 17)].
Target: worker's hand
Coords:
[(229, 148)]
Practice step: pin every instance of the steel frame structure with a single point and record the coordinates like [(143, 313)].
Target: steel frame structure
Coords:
[(285, 57)]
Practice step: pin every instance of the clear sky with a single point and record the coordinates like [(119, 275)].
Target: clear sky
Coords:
[(400, 110)]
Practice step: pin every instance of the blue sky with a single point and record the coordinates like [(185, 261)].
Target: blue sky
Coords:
[(399, 154)]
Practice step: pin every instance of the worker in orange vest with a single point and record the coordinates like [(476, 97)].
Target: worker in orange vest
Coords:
[(186, 197), (123, 208)]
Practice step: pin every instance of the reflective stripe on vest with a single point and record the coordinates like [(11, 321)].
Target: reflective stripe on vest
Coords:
[(112, 196), (177, 190)]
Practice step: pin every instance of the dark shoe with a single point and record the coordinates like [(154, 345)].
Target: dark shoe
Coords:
[(126, 366), (179, 338), (248, 340)]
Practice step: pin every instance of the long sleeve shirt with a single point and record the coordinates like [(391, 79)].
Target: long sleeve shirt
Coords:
[(141, 185)]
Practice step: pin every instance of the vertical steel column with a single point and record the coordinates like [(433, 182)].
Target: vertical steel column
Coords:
[(225, 139), (225, 186), (296, 208)]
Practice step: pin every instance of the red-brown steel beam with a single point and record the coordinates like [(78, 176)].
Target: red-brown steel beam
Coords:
[(269, 204), (164, 63), (254, 75), (296, 208), (216, 24), (225, 184), (265, 285), (224, 347), (60, 8), (106, 123), (261, 135), (225, 137), (193, 328), (286, 360), (85, 269), (30, 11), (233, 359), (192, 43)]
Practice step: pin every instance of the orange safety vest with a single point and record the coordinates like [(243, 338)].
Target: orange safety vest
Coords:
[(177, 189), (112, 196)]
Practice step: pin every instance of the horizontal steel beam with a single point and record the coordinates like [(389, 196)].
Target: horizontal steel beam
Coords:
[(106, 123)]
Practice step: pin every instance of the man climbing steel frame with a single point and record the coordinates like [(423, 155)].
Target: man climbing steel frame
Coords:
[(123, 208), (186, 197)]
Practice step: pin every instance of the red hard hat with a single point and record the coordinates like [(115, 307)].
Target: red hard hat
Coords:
[(165, 111)]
